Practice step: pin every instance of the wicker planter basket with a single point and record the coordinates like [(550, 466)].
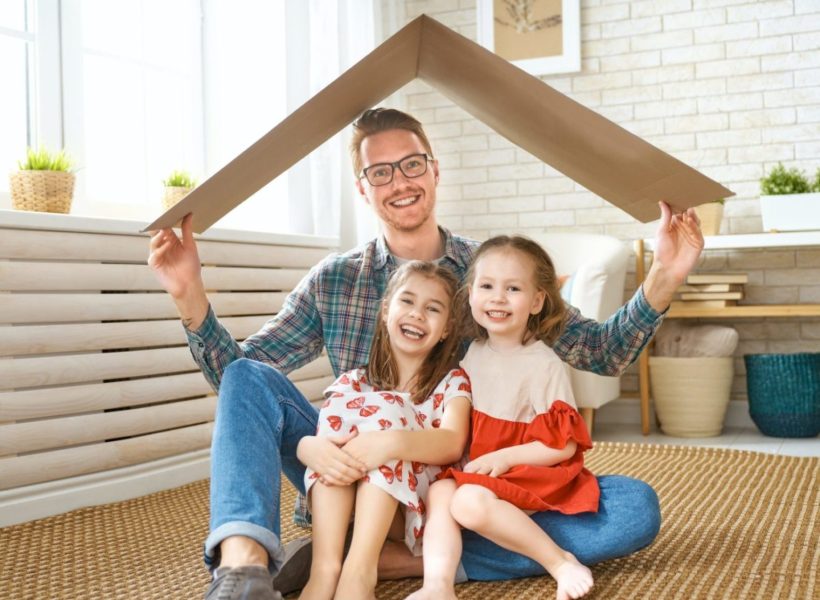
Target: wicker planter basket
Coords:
[(691, 394), (42, 191), (173, 195), (784, 393), (710, 215)]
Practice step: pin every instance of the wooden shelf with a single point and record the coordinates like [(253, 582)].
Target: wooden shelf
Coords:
[(748, 311), (754, 241)]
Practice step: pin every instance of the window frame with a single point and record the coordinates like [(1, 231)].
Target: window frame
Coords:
[(56, 110), (43, 77)]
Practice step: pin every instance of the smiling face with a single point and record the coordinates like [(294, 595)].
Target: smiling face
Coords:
[(404, 204), (416, 317), (503, 295)]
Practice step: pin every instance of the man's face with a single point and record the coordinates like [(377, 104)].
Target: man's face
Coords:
[(404, 204)]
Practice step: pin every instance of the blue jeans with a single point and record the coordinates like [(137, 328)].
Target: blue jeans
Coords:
[(261, 417)]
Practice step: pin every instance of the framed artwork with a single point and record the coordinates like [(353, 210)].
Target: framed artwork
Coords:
[(540, 36)]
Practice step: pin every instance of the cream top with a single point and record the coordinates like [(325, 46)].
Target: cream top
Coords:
[(518, 384)]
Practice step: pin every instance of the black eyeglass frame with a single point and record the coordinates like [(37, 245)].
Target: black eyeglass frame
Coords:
[(393, 166)]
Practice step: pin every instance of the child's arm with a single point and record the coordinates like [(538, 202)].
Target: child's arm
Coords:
[(533, 453), (439, 446), (327, 457)]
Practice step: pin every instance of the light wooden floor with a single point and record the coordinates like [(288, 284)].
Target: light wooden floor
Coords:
[(736, 438)]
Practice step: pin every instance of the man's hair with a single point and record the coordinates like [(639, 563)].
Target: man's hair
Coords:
[(547, 324), (376, 120), (382, 370)]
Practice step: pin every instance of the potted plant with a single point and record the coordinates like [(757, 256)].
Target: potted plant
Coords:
[(44, 182), (177, 185), (789, 201), (710, 215)]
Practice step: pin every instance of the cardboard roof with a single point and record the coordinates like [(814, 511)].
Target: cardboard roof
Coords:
[(595, 152)]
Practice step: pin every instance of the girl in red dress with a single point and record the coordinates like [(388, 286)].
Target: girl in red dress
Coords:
[(528, 439), (409, 411)]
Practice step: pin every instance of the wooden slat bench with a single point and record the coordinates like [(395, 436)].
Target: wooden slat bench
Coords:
[(100, 398)]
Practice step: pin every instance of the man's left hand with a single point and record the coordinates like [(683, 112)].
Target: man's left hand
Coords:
[(678, 245)]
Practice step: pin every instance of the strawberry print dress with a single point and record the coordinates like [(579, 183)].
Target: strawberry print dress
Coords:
[(520, 396), (352, 404)]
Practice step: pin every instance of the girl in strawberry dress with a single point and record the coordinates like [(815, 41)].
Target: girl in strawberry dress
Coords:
[(528, 440), (407, 412)]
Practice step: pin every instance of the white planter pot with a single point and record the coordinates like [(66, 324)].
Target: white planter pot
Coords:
[(790, 212)]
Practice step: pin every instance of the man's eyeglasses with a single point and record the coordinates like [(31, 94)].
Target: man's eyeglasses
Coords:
[(411, 166)]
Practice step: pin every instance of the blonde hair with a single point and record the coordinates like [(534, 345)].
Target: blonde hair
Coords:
[(548, 323), (382, 369), (376, 120)]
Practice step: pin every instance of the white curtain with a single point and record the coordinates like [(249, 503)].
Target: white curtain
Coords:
[(321, 187)]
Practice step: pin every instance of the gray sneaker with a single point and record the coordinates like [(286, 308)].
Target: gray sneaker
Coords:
[(295, 570), (242, 583)]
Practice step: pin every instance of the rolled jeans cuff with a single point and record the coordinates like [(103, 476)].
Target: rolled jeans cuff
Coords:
[(267, 539)]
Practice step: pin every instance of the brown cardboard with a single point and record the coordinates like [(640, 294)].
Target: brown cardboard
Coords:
[(595, 152)]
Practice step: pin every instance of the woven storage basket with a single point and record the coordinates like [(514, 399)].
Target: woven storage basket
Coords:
[(43, 191), (784, 393), (710, 215), (691, 394), (173, 195)]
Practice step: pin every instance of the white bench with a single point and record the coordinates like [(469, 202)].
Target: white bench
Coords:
[(100, 399)]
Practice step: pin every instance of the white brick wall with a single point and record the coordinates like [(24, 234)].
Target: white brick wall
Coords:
[(730, 87)]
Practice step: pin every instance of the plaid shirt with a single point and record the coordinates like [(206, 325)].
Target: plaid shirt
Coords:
[(337, 303)]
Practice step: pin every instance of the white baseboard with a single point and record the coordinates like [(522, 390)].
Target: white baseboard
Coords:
[(54, 497), (627, 411)]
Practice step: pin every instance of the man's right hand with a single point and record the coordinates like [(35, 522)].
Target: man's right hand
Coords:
[(175, 262), (327, 457)]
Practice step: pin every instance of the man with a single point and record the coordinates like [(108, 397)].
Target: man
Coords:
[(262, 421)]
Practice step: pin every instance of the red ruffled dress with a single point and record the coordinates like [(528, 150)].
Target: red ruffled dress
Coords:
[(521, 396)]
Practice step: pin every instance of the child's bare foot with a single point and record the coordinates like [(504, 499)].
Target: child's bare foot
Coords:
[(574, 579), (319, 588), (433, 592), (355, 583)]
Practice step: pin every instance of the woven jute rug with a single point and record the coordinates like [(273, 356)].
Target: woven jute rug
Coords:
[(735, 525)]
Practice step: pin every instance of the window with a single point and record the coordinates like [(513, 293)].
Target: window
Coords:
[(132, 100), (29, 107), (246, 93), (16, 48), (136, 88)]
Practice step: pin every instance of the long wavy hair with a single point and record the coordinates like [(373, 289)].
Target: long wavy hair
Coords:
[(548, 323), (382, 369)]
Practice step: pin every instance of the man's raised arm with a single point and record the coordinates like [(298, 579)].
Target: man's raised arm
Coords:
[(289, 340), (175, 262), (678, 245), (608, 348)]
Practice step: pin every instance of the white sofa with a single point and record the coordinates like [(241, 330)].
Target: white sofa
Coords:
[(597, 266)]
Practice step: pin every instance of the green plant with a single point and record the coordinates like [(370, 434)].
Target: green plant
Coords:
[(781, 181), (815, 185), (179, 179), (43, 160)]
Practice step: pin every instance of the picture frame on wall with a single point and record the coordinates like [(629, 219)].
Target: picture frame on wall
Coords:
[(542, 37)]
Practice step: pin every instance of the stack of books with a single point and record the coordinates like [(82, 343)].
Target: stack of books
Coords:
[(711, 290)]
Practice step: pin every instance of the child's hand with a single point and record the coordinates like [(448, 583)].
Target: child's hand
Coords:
[(327, 457), (371, 448), (492, 464)]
